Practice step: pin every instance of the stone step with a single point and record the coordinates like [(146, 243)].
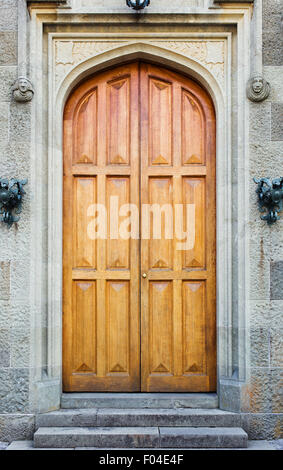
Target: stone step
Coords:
[(139, 400), (140, 437), (138, 418)]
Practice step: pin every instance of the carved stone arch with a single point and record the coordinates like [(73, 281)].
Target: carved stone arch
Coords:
[(142, 51)]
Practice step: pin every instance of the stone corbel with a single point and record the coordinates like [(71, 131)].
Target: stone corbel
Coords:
[(258, 89)]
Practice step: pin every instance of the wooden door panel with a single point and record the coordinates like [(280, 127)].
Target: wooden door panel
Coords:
[(101, 316), (118, 121), (159, 122), (142, 135), (178, 292)]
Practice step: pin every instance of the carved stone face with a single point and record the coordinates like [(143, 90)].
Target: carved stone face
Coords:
[(257, 84), (23, 85)]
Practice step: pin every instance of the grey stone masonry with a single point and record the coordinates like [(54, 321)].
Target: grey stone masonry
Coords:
[(203, 437), (277, 121), (138, 417), (140, 437), (139, 400), (272, 32), (96, 437), (276, 280)]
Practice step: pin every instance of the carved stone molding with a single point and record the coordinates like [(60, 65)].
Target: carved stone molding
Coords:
[(208, 53), (258, 89), (70, 53), (22, 90)]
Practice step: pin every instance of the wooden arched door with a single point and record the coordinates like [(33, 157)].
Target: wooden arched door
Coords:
[(139, 313)]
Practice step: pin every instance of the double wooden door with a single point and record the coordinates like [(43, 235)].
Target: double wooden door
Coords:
[(139, 310)]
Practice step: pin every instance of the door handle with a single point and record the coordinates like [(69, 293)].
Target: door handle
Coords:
[(144, 275)]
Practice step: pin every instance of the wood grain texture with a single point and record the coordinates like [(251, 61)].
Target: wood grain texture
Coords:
[(103, 320), (178, 309), (146, 135)]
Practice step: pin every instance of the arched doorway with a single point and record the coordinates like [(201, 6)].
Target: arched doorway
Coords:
[(139, 312)]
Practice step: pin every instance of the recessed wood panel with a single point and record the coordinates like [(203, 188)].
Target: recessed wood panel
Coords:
[(161, 327), (84, 327), (193, 132), (142, 135), (101, 332), (161, 223), (160, 122), (118, 318), (194, 334), (85, 129), (194, 190), (178, 286), (118, 248), (84, 248), (118, 121)]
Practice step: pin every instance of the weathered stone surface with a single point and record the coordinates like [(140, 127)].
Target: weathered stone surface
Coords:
[(47, 394), (9, 3), (139, 400), (8, 18), (8, 48), (259, 343), (260, 122), (203, 437), (66, 418), (7, 77), (276, 280), (5, 273), (263, 425), (265, 159), (138, 417), (20, 272), (14, 391), (260, 279), (15, 161), (271, 12), (4, 122), (276, 348), (273, 75), (277, 121), (272, 32), (5, 347), (20, 347), (20, 123), (16, 426), (266, 390), (96, 437), (276, 389)]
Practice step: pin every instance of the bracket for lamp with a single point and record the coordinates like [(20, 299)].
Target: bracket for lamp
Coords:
[(270, 198), (11, 197), (138, 4)]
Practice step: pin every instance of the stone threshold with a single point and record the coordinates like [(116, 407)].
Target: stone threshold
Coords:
[(139, 400)]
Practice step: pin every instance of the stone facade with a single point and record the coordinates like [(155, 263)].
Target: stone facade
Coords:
[(251, 381)]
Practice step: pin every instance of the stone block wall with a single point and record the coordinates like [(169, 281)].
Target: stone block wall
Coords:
[(263, 416), (15, 421), (266, 244)]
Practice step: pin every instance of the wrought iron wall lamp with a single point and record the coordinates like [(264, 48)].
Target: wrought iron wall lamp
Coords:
[(11, 197), (270, 198), (138, 4)]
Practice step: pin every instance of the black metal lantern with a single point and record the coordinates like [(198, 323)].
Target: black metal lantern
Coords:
[(138, 4)]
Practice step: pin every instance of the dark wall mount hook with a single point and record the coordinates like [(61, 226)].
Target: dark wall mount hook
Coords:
[(270, 198), (11, 198), (138, 4)]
